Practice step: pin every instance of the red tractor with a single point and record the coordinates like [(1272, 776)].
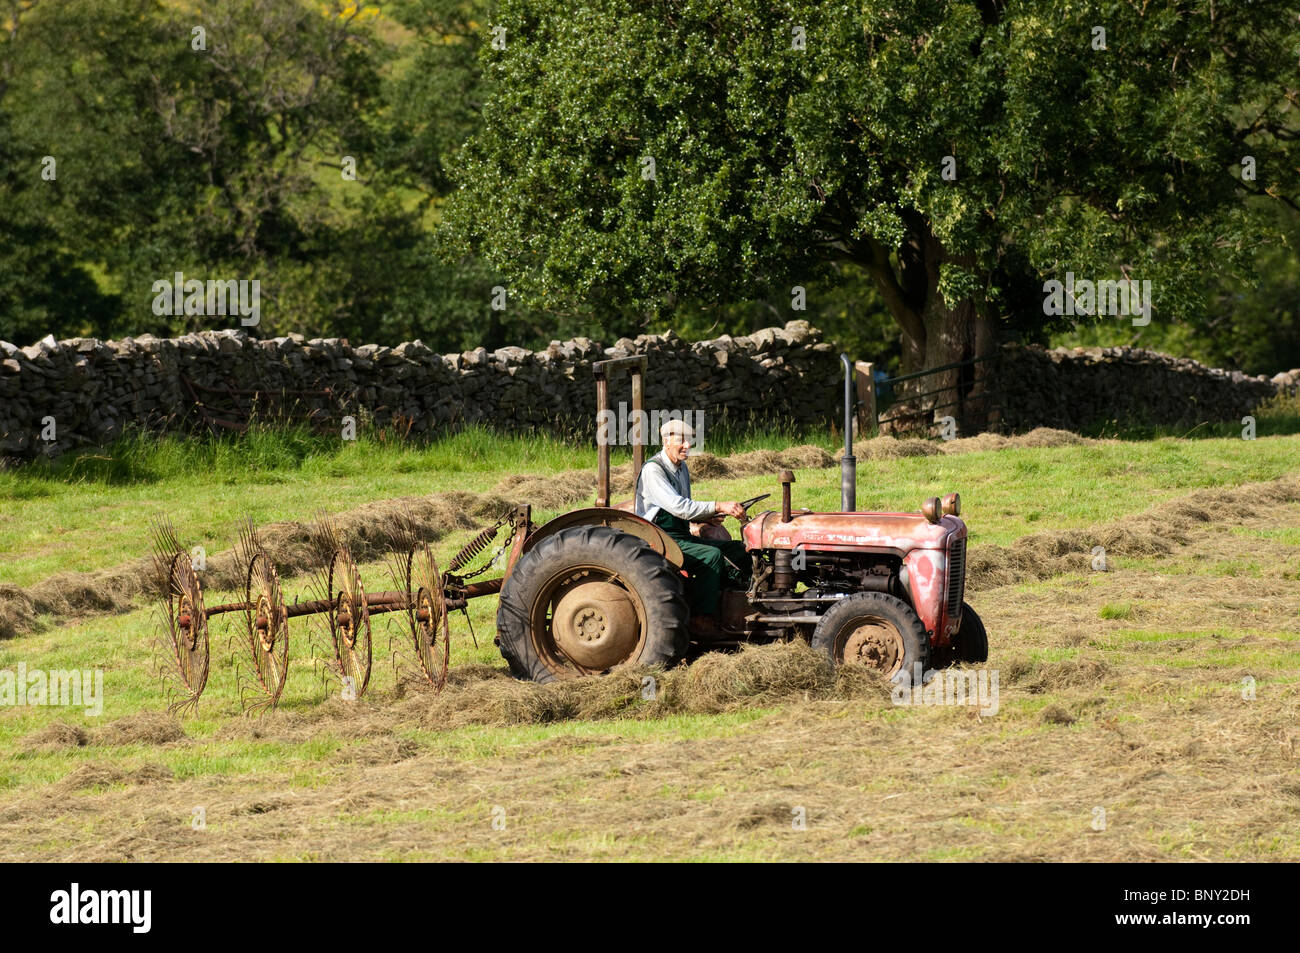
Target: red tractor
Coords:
[(600, 587)]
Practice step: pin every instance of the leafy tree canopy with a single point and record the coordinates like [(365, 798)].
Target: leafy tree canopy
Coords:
[(660, 152)]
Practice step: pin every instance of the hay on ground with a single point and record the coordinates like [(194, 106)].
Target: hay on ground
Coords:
[(56, 736), (146, 727)]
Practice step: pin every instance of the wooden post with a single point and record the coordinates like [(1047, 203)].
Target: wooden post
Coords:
[(866, 384), (602, 449), (640, 435), (603, 370)]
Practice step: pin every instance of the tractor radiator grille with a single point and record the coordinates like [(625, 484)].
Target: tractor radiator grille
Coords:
[(956, 576)]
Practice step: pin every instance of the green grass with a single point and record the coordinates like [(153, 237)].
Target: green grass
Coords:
[(1278, 416), (91, 514), (85, 513), (90, 511)]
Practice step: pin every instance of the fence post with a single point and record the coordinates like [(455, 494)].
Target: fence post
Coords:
[(864, 378)]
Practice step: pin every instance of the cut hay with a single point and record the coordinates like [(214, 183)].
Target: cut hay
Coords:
[(56, 736), (1040, 677), (90, 776), (379, 751), (67, 594), (892, 448), (887, 447), (754, 677), (1056, 715), (1154, 532), (1037, 439), (147, 727), (150, 774)]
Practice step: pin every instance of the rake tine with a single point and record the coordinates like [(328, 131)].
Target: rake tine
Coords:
[(179, 596), (268, 643)]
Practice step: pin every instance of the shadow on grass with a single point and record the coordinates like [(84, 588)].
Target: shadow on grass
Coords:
[(1277, 417)]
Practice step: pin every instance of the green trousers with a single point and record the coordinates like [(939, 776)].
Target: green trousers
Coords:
[(706, 562)]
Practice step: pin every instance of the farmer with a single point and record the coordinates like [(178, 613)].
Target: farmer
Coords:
[(663, 496)]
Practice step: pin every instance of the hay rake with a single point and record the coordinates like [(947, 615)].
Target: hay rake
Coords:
[(425, 598)]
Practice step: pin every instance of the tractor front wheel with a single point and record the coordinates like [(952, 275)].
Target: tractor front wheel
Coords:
[(874, 629), (587, 600), (971, 643)]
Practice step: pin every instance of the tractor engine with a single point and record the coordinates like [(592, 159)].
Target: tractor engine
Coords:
[(805, 562)]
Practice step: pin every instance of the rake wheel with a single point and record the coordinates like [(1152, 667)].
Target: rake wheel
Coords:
[(349, 620), (426, 613), (187, 624), (267, 624)]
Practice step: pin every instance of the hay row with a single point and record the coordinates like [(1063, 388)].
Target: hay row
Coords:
[(1154, 532)]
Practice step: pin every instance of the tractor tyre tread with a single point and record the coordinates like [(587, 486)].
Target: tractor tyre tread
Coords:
[(659, 586), (916, 641), (971, 643)]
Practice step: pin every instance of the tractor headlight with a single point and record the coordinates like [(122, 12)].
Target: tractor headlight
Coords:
[(952, 504), (931, 509)]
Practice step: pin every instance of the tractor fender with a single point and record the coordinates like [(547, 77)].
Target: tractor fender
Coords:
[(926, 581), (614, 518)]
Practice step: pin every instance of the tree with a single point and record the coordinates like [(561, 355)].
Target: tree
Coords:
[(186, 140), (659, 152), (43, 285), (1252, 326)]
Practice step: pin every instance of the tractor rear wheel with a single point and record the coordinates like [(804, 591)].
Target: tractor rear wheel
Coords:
[(587, 600), (874, 629)]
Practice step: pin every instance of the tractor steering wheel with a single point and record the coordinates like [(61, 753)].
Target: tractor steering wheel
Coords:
[(746, 504)]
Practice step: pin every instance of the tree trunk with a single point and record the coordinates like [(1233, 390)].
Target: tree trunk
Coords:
[(936, 333), (953, 335)]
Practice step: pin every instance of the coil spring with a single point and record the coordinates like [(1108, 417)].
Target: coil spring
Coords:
[(475, 546)]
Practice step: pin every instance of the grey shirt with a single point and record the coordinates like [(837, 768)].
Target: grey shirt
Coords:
[(666, 487)]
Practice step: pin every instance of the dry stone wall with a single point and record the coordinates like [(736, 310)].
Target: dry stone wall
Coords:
[(90, 390), (93, 389), (1080, 388)]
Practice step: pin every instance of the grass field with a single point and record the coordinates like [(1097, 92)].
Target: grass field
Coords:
[(1146, 712)]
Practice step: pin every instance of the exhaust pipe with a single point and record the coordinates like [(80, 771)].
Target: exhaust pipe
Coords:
[(849, 465)]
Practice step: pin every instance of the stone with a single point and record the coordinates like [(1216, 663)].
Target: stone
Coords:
[(773, 375), (510, 355), (412, 350)]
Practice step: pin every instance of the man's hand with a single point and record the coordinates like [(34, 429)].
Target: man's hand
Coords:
[(730, 508)]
